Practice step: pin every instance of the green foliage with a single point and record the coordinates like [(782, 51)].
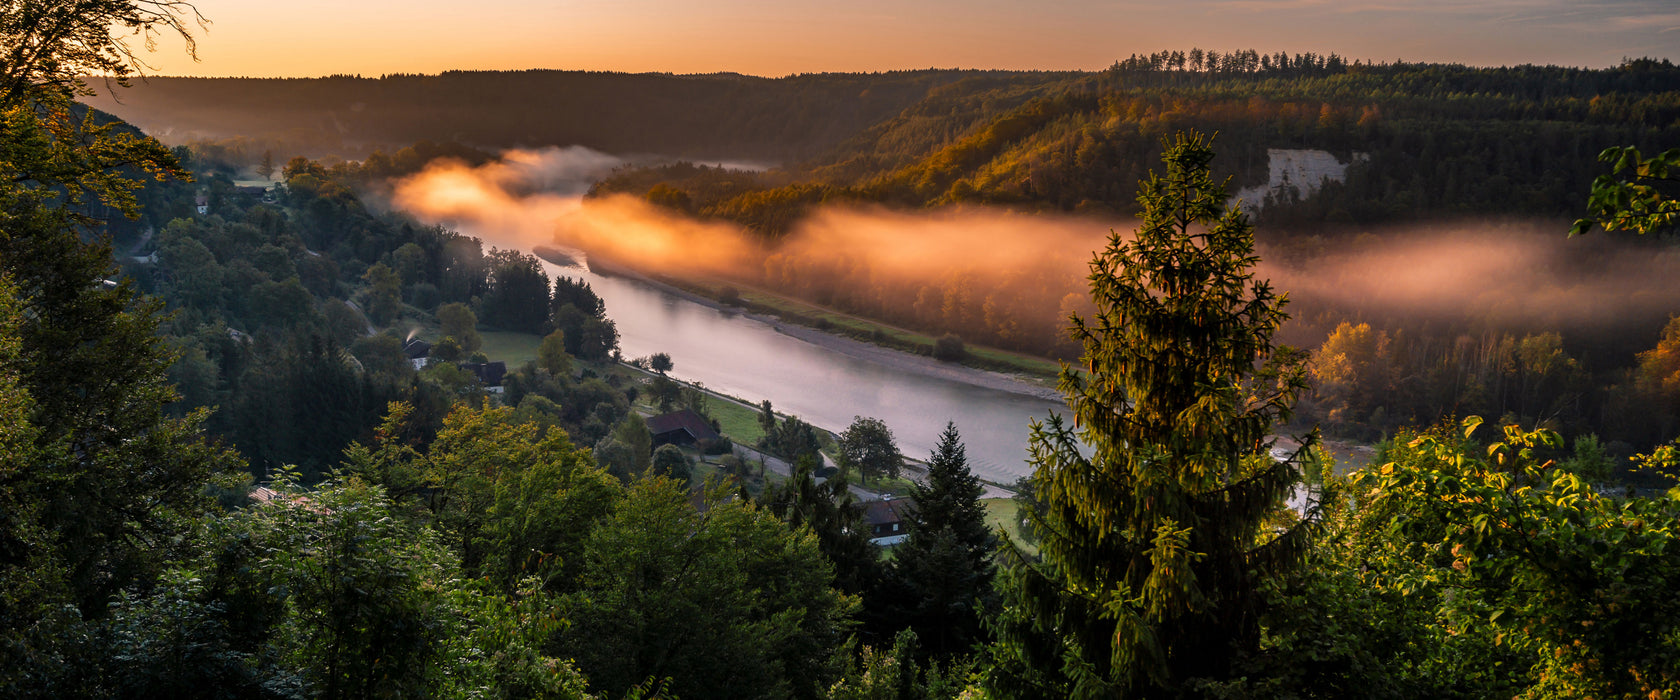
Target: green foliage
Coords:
[(633, 433), (329, 593), (73, 42), (766, 417), (98, 482), (867, 447), (1589, 461), (1026, 504), (456, 320), (1526, 553), (517, 296), (582, 316), (948, 348), (946, 563), (384, 299), (552, 355), (894, 674), (301, 401), (1641, 201), (367, 622), (1154, 548), (382, 356), (112, 473), (1369, 381), (670, 462), (1355, 620), (664, 392), (725, 602), (791, 439), (694, 398), (447, 349), (503, 491), (668, 197), (830, 511), (515, 501)]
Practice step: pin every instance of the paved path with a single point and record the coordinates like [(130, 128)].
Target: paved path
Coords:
[(777, 465)]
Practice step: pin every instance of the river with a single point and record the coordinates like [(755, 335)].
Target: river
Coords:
[(729, 352), (750, 359)]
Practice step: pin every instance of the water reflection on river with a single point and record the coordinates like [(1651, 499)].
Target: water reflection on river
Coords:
[(750, 359)]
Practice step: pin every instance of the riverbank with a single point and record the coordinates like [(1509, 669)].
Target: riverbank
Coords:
[(816, 324), (738, 420)]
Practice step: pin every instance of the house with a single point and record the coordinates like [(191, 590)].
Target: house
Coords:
[(489, 374), (202, 201), (418, 352), (885, 520), (683, 427)]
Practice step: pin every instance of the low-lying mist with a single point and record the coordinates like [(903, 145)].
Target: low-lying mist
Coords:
[(1010, 279)]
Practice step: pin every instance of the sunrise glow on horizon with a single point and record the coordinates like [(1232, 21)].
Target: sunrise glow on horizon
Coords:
[(753, 37)]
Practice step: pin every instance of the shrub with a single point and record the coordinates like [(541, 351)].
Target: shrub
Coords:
[(720, 446), (949, 348)]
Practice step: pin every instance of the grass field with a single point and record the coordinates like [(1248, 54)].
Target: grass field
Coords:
[(738, 422), (1005, 514), (735, 421), (513, 348)]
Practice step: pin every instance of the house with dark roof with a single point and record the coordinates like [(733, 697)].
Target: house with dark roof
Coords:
[(418, 351), (683, 427), (489, 374), (885, 520)]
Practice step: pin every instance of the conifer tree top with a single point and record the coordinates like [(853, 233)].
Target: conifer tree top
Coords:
[(1153, 554)]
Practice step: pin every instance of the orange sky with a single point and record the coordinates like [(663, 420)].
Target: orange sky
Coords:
[(372, 37)]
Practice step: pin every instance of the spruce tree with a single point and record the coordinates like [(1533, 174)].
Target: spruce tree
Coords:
[(1152, 540), (945, 565), (950, 500)]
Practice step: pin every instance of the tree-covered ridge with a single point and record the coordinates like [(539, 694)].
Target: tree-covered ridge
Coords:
[(1440, 140), (717, 116)]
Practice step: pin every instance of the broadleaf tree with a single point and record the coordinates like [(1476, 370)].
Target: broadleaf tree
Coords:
[(867, 446), (1639, 195)]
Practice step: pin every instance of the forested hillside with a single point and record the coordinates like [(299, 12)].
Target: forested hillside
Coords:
[(723, 116), (1437, 141)]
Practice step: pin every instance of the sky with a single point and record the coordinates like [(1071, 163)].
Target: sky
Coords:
[(302, 38)]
